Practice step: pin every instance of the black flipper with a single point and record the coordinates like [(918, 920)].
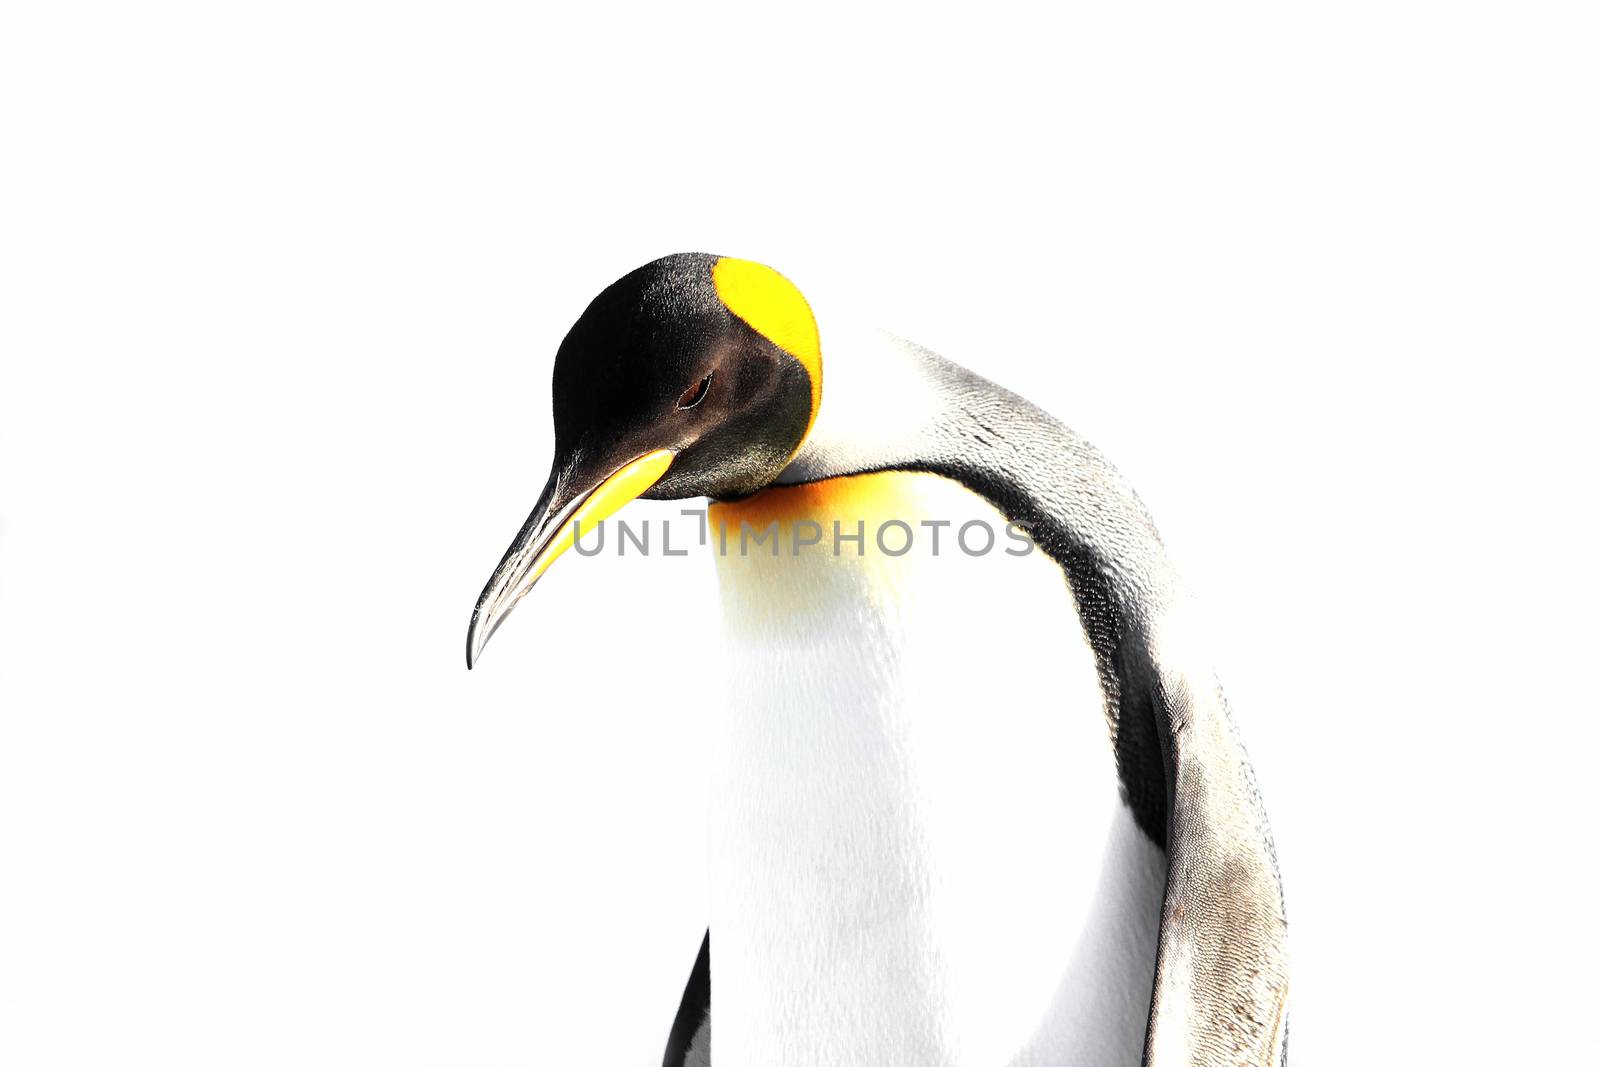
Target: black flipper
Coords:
[(694, 1011)]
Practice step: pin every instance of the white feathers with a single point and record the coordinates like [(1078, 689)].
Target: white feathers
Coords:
[(919, 855)]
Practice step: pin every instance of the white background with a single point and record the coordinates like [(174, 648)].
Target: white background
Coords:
[(281, 287)]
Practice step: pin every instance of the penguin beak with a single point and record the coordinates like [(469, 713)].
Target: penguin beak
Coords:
[(550, 531)]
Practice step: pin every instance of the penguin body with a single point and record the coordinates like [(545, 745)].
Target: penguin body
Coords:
[(919, 855), (969, 809)]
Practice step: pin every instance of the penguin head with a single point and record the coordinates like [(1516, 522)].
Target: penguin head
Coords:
[(694, 375), (713, 359)]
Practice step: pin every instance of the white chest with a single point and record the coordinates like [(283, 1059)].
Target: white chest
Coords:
[(919, 855)]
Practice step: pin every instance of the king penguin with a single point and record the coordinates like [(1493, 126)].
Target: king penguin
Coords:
[(977, 799)]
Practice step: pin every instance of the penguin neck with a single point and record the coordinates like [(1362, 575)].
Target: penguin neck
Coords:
[(914, 796), (878, 396)]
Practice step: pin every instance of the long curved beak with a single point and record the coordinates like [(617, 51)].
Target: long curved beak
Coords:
[(550, 531)]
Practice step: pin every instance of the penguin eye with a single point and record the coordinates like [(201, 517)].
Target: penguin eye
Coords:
[(695, 393)]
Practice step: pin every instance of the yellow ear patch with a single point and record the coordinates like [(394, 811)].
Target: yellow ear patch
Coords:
[(771, 306)]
